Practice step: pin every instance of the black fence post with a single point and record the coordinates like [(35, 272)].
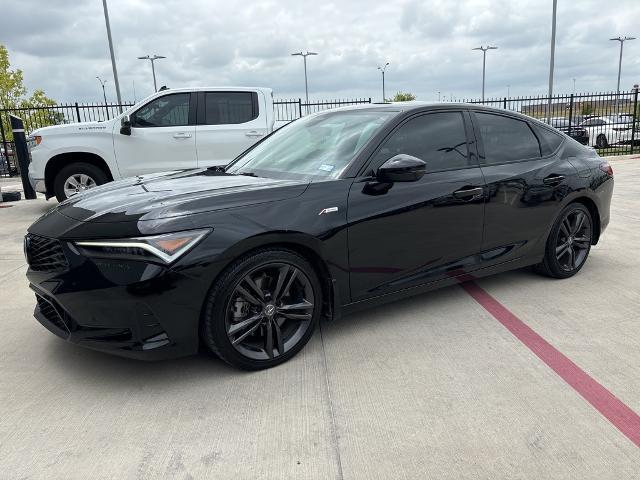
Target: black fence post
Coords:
[(634, 124), (504, 103), (22, 152), (570, 113), (300, 108), (78, 112)]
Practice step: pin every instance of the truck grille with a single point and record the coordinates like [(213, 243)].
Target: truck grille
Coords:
[(44, 254)]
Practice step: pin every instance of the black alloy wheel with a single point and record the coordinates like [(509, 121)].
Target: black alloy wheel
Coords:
[(569, 242), (263, 310), (601, 141)]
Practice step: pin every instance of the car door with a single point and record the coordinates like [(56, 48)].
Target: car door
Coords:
[(406, 234), (228, 124), (526, 180), (162, 137)]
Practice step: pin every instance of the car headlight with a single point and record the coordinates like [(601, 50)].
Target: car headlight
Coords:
[(34, 140), (167, 247)]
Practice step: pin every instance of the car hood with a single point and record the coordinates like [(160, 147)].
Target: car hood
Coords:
[(84, 127), (174, 194)]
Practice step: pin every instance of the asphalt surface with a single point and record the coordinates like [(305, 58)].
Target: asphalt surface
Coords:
[(435, 387)]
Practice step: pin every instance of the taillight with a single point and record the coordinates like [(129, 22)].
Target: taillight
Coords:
[(606, 168)]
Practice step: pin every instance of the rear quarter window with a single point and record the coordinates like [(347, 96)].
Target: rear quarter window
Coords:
[(549, 140)]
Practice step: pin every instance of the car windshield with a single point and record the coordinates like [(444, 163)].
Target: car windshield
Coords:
[(318, 147)]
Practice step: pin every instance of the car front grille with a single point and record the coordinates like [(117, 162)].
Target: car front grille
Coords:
[(51, 313), (45, 254)]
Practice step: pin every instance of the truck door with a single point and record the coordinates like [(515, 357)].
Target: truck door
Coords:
[(228, 122)]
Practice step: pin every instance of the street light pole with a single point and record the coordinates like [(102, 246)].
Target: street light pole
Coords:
[(484, 63), (306, 84), (552, 59), (153, 68), (621, 40), (113, 56), (104, 95), (383, 69)]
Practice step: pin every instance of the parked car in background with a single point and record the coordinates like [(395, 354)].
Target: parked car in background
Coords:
[(170, 130), (7, 160), (575, 131), (339, 210), (606, 131)]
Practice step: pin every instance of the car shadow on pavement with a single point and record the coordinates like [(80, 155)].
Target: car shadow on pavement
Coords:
[(121, 373)]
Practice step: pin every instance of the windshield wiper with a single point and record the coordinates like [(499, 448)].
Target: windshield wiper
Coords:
[(248, 174)]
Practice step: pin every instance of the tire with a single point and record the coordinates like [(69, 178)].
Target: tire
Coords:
[(81, 171), (10, 196), (270, 293), (601, 141), (569, 243)]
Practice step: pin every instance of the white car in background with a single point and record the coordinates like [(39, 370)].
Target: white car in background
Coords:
[(175, 129), (606, 131)]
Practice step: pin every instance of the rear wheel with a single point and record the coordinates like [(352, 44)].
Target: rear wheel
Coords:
[(262, 310), (77, 178), (601, 141), (569, 243)]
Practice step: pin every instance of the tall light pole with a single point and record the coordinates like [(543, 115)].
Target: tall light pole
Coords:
[(508, 91), (306, 83), (104, 95), (621, 40), (484, 63), (153, 68), (552, 58), (113, 56), (383, 69), (102, 82), (574, 86)]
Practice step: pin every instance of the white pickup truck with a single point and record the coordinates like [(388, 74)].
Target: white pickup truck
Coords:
[(170, 130)]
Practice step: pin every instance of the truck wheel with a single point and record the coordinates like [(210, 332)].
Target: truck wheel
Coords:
[(76, 178)]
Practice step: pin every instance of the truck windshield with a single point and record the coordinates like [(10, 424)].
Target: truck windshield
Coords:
[(317, 147)]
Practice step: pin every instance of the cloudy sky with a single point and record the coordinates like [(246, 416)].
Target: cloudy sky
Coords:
[(61, 45)]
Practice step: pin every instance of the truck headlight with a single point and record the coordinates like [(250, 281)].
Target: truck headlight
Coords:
[(167, 247), (34, 140)]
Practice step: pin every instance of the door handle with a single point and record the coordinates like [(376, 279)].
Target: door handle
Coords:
[(553, 180), (253, 133), (468, 193), (181, 135)]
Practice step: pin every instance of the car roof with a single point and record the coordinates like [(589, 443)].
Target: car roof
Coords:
[(411, 106)]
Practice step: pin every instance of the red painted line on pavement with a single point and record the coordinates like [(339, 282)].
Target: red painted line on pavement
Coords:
[(612, 408)]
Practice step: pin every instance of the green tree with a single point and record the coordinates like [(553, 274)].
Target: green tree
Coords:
[(402, 97), (13, 94), (587, 109)]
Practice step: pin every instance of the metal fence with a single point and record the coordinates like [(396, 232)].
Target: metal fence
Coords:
[(606, 121)]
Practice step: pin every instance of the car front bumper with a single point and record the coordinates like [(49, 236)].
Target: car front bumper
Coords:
[(128, 308)]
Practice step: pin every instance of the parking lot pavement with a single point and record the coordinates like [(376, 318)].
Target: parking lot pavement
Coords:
[(431, 387)]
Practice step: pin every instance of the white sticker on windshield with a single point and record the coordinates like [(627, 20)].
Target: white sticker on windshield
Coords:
[(326, 167)]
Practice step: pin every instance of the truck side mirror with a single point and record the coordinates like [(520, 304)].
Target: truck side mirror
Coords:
[(125, 125)]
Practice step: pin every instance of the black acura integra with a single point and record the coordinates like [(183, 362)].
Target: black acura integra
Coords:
[(336, 211)]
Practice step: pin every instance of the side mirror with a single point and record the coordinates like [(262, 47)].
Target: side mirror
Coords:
[(125, 125), (401, 168)]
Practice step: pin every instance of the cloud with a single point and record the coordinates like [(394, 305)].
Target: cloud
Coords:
[(61, 46)]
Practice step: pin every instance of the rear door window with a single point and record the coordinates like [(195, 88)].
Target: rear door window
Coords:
[(506, 139), (224, 108)]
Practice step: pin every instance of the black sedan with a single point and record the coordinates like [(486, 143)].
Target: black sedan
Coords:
[(574, 130), (335, 212)]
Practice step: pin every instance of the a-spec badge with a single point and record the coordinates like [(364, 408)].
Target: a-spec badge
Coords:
[(328, 210)]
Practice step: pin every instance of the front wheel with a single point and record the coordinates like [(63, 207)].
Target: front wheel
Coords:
[(76, 178), (262, 310), (569, 243)]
